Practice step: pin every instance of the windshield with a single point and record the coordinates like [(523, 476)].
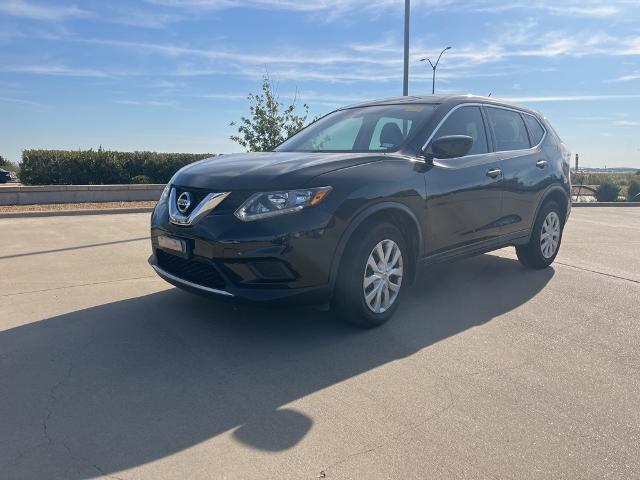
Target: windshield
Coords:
[(381, 128)]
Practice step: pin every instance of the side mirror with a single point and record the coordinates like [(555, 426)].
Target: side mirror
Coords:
[(450, 146)]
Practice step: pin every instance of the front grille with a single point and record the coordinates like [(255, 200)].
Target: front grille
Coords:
[(229, 205), (192, 271), (232, 202), (197, 194)]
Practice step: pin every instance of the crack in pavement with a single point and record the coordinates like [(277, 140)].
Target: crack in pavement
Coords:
[(52, 400), (584, 269), (79, 247), (435, 415), (77, 286)]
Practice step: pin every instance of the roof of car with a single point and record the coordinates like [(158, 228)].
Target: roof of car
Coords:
[(439, 99)]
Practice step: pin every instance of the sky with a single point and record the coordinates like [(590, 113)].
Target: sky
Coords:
[(170, 75)]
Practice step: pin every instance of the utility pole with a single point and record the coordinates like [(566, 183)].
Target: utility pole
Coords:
[(576, 163), (407, 12), (433, 67)]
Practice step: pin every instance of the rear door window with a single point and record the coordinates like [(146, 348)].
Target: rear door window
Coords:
[(509, 129), (536, 132), (466, 121)]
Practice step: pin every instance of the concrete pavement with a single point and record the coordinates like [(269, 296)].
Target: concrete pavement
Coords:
[(488, 370)]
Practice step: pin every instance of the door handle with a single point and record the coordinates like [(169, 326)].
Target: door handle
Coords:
[(541, 163), (493, 172)]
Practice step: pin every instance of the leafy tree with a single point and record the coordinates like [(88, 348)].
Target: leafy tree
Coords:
[(8, 165), (607, 191), (633, 190), (270, 122)]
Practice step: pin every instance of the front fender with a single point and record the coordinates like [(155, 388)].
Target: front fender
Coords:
[(359, 218)]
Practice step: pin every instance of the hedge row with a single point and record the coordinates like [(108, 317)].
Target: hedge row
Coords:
[(100, 167)]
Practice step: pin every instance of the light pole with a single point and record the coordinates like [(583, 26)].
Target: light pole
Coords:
[(405, 82), (433, 84)]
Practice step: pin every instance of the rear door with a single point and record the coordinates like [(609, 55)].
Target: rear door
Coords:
[(518, 139), (463, 194)]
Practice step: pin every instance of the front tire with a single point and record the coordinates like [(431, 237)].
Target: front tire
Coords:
[(546, 237), (372, 276)]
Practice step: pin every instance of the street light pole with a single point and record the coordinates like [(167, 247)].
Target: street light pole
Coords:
[(405, 83), (433, 67)]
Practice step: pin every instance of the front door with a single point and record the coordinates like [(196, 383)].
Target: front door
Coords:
[(464, 195)]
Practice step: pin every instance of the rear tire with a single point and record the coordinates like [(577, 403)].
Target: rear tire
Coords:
[(546, 237), (372, 276)]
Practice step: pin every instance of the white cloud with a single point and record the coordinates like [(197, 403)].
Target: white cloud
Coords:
[(572, 98), (627, 123), (568, 8), (284, 56), (40, 11), (376, 62), (304, 96), (20, 102), (58, 70), (298, 5), (145, 103), (136, 17), (380, 61), (336, 9), (627, 78), (226, 96)]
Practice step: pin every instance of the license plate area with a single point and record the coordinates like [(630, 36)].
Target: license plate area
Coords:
[(177, 246)]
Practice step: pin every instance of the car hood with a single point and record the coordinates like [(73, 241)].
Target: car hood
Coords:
[(265, 171)]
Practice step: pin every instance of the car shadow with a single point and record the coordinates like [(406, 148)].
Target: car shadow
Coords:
[(115, 386)]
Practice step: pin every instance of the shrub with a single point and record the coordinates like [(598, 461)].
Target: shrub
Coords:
[(607, 191), (99, 167), (633, 190), (595, 178), (141, 179)]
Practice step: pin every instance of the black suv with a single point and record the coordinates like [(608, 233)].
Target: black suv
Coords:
[(347, 209)]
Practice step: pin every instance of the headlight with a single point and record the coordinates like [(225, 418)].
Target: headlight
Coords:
[(270, 204), (165, 193)]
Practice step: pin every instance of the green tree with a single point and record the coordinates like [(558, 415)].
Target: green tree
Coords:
[(270, 122), (607, 191), (8, 165), (633, 190)]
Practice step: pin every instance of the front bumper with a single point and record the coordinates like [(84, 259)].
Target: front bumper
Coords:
[(277, 296), (280, 260)]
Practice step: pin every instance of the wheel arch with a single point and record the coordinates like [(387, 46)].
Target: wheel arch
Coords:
[(393, 212), (558, 194)]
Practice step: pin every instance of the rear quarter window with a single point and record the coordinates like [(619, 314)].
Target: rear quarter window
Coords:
[(536, 132)]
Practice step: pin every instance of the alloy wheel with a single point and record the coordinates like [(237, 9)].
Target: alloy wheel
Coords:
[(382, 276), (550, 235)]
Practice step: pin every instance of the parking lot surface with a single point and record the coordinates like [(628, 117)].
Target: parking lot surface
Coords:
[(488, 370)]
